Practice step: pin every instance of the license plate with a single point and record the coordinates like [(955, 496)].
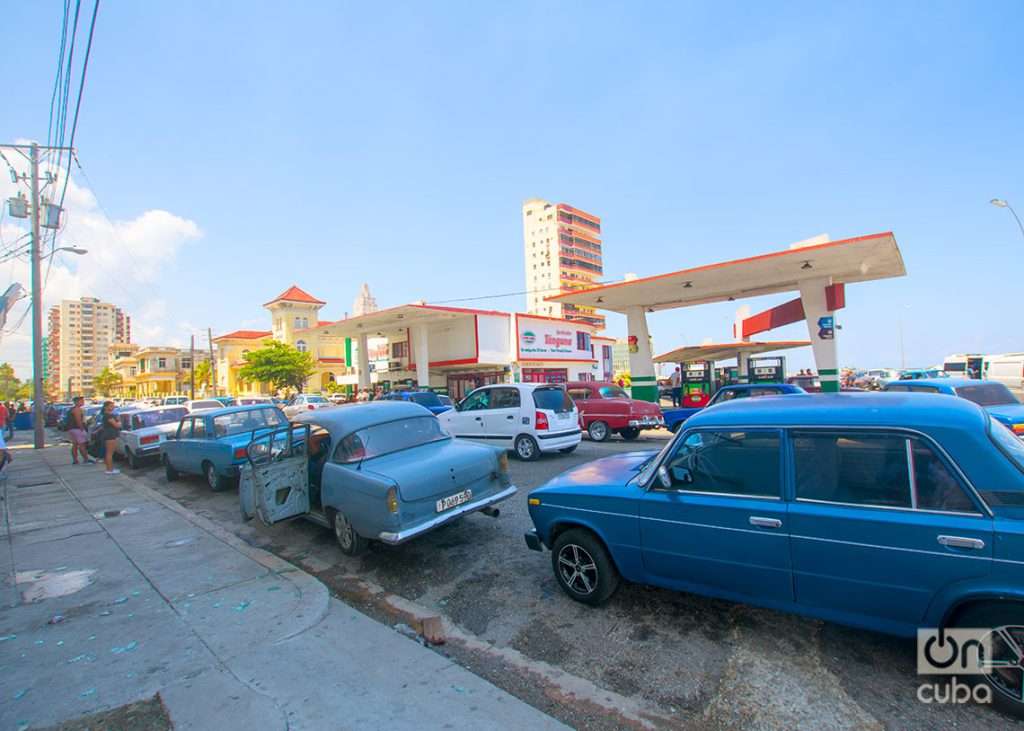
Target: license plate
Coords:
[(451, 501)]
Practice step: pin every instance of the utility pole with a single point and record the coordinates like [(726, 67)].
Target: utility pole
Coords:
[(213, 363), (192, 362), (31, 152)]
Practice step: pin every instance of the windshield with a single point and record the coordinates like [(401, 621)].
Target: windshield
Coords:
[(987, 394), (315, 400), (238, 422), (552, 399), (154, 418), (394, 436), (251, 401), (206, 405), (425, 399), (612, 392), (1013, 447), (953, 367)]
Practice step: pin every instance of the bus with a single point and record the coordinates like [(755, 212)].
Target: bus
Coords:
[(967, 365)]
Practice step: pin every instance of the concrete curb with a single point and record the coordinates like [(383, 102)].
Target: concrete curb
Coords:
[(314, 597)]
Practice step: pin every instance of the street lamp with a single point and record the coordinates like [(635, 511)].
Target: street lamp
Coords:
[(69, 249), (1000, 203)]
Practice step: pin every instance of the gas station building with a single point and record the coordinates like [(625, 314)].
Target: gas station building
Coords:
[(818, 270)]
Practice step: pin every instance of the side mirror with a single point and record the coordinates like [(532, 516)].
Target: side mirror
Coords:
[(664, 479)]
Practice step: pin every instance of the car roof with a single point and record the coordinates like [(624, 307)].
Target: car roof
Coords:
[(233, 409), (890, 409), (166, 407), (749, 386), (348, 418), (948, 382)]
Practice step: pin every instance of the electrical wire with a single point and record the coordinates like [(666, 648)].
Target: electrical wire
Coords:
[(51, 127), (514, 294)]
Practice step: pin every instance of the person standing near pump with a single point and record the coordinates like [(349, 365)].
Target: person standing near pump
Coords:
[(76, 431), (108, 435), (4, 416), (676, 382)]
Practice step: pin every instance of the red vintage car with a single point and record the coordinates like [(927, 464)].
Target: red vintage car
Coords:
[(605, 409)]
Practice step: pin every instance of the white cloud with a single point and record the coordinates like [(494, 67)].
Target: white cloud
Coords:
[(124, 260)]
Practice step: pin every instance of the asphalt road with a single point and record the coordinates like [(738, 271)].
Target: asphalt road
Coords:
[(700, 663)]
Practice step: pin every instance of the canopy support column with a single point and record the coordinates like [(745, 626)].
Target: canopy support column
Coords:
[(743, 367), (821, 330), (422, 356), (641, 360), (363, 366)]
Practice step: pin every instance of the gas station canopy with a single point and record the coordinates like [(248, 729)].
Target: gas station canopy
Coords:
[(724, 351), (859, 259)]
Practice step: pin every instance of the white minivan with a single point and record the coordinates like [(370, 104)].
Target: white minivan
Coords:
[(524, 417), (1007, 368)]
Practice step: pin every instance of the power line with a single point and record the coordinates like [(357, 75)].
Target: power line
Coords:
[(51, 127), (514, 294)]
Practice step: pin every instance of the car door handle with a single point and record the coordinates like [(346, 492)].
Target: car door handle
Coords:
[(510, 417), (960, 542), (478, 418), (765, 522)]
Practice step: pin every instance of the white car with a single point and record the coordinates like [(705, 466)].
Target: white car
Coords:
[(305, 402), (251, 400), (142, 432), (200, 404), (174, 400), (527, 418)]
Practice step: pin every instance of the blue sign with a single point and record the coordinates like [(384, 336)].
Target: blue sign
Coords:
[(826, 327)]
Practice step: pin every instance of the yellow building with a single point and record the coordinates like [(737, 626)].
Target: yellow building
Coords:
[(295, 319), (152, 371)]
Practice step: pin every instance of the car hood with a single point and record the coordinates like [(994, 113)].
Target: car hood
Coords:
[(616, 470), (1007, 413)]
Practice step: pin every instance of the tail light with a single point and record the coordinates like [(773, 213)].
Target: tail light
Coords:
[(392, 500), (311, 407), (149, 440), (239, 452), (540, 420)]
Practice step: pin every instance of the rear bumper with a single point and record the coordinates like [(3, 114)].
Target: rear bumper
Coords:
[(558, 440), (393, 538), (647, 422), (533, 541)]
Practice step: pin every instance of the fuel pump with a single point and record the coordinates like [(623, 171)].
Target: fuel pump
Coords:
[(767, 369), (697, 383)]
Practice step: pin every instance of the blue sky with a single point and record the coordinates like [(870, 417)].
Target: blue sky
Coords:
[(328, 144)]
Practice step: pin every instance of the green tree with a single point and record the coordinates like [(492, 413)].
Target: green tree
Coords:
[(105, 381), (278, 364), (203, 375), (9, 383)]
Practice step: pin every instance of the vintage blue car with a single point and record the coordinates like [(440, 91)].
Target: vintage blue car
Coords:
[(675, 417), (426, 399), (211, 442), (385, 471), (993, 396), (885, 511)]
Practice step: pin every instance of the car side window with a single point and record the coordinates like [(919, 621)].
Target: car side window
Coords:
[(861, 469), (185, 429), (477, 401), (923, 389), (350, 449), (765, 392), (199, 428), (935, 486), (579, 394), (895, 387), (733, 462), (505, 398)]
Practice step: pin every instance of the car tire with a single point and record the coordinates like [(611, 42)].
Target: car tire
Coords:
[(131, 459), (569, 450), (629, 434), (170, 472), (349, 541), (526, 448), (583, 567), (598, 431), (217, 483), (998, 615)]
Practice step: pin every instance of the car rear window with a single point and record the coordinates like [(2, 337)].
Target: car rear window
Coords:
[(612, 392), (987, 394), (155, 418), (425, 399), (393, 436), (238, 422), (552, 399)]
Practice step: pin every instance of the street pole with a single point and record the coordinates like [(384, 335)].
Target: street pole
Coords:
[(213, 363), (38, 419), (192, 362)]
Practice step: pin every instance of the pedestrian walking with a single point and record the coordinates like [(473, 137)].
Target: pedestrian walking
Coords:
[(109, 430), (676, 381), (77, 434), (10, 420)]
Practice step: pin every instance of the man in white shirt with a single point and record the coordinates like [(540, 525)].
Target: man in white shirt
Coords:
[(676, 381)]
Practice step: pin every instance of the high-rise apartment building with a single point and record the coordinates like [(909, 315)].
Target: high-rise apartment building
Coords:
[(81, 333), (563, 252)]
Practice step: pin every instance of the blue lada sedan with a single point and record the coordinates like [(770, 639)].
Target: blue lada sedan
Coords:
[(891, 512), (992, 396)]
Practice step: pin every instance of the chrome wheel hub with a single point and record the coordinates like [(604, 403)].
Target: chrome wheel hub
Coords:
[(577, 569)]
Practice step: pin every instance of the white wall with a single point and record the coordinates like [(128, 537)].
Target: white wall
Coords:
[(495, 340)]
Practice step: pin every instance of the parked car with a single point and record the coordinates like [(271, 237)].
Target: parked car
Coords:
[(338, 398), (200, 404), (883, 511), (994, 397), (810, 383), (305, 402), (606, 409), (384, 471), (144, 430), (251, 400), (225, 400), (675, 417), (1007, 368), (173, 400), (446, 400), (427, 399), (876, 378), (527, 418), (212, 442)]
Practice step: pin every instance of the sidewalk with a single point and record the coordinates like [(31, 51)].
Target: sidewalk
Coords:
[(155, 599)]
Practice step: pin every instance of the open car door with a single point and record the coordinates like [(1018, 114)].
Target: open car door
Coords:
[(274, 484)]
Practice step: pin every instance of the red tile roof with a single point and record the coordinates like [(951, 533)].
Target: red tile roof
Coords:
[(331, 360), (294, 294), (245, 335)]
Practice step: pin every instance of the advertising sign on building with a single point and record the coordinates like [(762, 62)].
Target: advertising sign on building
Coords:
[(545, 340)]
